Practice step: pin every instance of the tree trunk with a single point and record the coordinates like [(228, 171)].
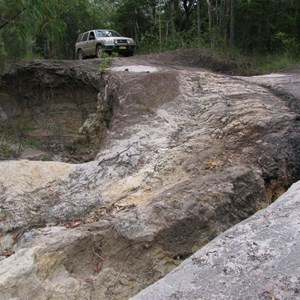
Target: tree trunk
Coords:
[(198, 21), (232, 23), (172, 16), (29, 45), (188, 7), (209, 20), (6, 22), (159, 25), (217, 15)]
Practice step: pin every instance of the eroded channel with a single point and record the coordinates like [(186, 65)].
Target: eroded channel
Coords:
[(54, 111), (180, 156)]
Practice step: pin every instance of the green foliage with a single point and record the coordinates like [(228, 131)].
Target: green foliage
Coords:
[(4, 98), (288, 45), (49, 28), (151, 43), (133, 17), (114, 54), (23, 123), (6, 151), (33, 143), (105, 62), (261, 20), (273, 63), (257, 64), (46, 158), (58, 132), (2, 57), (7, 140)]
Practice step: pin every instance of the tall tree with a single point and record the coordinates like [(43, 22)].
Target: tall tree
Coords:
[(232, 23), (198, 21), (188, 6), (50, 27), (209, 14)]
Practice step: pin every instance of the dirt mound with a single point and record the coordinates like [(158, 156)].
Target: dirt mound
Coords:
[(194, 58)]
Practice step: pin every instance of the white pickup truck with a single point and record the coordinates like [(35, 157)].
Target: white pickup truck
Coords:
[(95, 42)]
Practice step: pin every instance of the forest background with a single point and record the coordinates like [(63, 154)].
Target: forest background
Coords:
[(265, 31)]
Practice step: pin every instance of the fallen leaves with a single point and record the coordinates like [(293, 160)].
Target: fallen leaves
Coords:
[(98, 266), (73, 224), (268, 295), (99, 213), (118, 208)]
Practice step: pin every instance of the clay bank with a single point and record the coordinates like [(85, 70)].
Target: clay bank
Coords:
[(113, 177)]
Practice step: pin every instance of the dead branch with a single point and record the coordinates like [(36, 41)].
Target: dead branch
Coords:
[(116, 156)]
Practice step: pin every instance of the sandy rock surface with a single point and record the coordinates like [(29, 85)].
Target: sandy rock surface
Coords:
[(184, 155), (23, 176), (256, 259)]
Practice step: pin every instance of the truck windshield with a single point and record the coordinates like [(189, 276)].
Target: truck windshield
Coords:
[(107, 33)]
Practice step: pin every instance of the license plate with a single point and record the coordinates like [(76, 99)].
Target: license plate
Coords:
[(122, 47)]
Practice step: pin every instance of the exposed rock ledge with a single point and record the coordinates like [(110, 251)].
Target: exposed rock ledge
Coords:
[(256, 259), (186, 155)]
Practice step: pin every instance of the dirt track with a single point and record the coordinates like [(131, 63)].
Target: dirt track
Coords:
[(176, 156)]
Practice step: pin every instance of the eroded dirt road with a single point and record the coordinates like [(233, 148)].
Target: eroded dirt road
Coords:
[(182, 154)]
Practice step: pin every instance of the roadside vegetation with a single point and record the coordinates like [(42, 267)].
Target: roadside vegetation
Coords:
[(261, 35)]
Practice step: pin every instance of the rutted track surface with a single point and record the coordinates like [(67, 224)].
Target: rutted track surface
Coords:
[(186, 154)]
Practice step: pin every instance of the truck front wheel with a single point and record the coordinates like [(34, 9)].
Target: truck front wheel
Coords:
[(99, 51)]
